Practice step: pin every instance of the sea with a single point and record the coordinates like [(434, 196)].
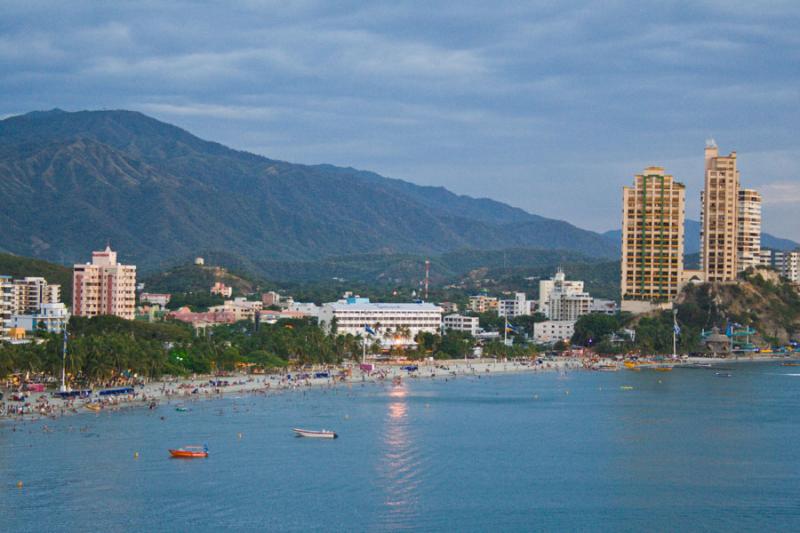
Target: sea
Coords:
[(688, 450)]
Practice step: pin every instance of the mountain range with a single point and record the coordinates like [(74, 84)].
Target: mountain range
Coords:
[(73, 181)]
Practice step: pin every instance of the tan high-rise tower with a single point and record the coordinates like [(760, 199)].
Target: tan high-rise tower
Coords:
[(653, 216), (719, 216)]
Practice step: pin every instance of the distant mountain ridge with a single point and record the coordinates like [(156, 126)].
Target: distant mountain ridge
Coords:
[(692, 244), (73, 181)]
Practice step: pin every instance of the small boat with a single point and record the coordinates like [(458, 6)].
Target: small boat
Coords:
[(724, 374), (311, 434), (790, 364), (605, 368), (190, 452), (663, 369), (626, 387), (181, 408), (93, 406)]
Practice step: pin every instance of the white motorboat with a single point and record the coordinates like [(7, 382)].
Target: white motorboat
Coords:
[(311, 434)]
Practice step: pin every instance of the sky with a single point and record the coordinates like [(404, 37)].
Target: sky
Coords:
[(548, 106)]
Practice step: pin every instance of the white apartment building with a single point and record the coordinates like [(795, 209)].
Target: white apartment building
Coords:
[(748, 238), (51, 317), (31, 292), (552, 331), (788, 265), (307, 308), (765, 258), (394, 323), (6, 303), (565, 287), (562, 299), (104, 287), (152, 298), (606, 307), (467, 324), (518, 306)]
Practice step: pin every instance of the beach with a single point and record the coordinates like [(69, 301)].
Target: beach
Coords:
[(177, 391)]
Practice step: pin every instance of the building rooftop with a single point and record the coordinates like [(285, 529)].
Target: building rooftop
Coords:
[(343, 305)]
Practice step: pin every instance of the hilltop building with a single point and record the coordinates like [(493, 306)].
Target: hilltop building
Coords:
[(393, 323), (765, 258), (788, 265), (222, 290), (748, 235), (730, 234), (719, 216), (104, 287), (654, 211)]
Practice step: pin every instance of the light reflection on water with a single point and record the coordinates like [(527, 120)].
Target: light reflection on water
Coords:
[(400, 465)]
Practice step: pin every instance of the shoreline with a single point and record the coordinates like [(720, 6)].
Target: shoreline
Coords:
[(40, 406)]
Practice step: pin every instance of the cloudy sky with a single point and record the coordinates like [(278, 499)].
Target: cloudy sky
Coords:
[(549, 106)]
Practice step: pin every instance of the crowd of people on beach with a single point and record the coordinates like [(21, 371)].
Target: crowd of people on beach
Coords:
[(35, 405)]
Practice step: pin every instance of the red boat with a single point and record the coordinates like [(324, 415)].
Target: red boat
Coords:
[(190, 452)]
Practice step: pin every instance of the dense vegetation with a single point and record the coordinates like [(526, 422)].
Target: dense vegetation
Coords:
[(107, 348)]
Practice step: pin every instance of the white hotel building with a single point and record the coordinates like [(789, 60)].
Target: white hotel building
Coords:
[(352, 315), (467, 324)]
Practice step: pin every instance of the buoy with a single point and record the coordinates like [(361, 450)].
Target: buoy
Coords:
[(239, 435), (566, 392), (535, 396), (135, 455), (19, 484)]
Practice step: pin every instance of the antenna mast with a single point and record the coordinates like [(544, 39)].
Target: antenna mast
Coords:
[(427, 276)]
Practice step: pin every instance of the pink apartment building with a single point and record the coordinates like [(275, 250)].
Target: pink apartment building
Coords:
[(104, 287)]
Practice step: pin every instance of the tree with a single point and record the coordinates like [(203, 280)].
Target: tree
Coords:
[(593, 328)]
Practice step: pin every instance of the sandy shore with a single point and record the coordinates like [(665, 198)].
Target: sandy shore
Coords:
[(175, 391), (38, 406)]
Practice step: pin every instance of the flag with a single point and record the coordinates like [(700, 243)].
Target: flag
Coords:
[(511, 329), (677, 329), (369, 329)]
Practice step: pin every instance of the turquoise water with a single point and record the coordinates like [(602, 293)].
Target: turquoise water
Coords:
[(686, 450)]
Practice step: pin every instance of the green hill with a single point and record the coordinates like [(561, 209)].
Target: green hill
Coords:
[(18, 267), (74, 181)]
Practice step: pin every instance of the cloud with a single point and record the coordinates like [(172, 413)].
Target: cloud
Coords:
[(781, 193), (535, 101)]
